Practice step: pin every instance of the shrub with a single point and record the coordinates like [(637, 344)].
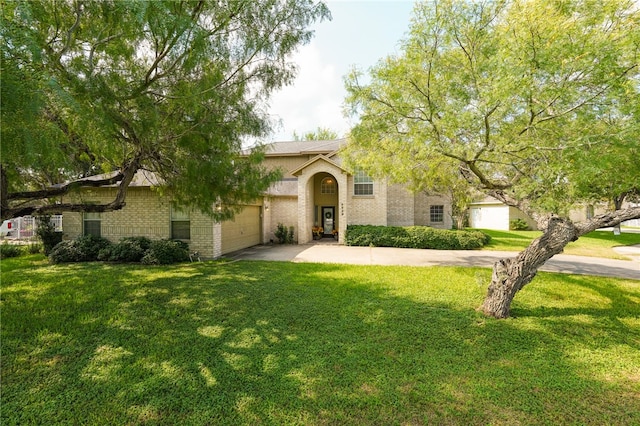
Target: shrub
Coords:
[(129, 249), (284, 234), (9, 250), (164, 252), (422, 237), (34, 248), (83, 249), (518, 225), (47, 233), (66, 251)]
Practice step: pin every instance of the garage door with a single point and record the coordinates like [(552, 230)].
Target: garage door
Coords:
[(242, 231), (490, 217)]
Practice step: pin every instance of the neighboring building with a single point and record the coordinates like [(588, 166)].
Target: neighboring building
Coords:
[(315, 191), (490, 213)]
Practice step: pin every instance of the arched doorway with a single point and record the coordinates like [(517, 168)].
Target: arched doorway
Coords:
[(325, 204), (322, 195)]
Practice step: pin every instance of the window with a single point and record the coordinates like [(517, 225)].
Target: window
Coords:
[(362, 183), (328, 186), (92, 224), (436, 214), (180, 224)]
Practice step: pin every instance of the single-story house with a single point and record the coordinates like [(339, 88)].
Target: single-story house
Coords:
[(315, 192)]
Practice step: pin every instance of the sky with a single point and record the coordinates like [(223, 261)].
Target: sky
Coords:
[(360, 33)]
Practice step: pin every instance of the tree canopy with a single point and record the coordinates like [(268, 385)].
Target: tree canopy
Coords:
[(534, 102), (173, 87), (320, 134)]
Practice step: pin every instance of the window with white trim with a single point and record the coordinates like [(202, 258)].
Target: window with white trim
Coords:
[(436, 214), (362, 183), (328, 186), (180, 224), (92, 224)]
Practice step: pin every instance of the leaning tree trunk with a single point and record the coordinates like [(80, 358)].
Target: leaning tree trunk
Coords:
[(510, 275)]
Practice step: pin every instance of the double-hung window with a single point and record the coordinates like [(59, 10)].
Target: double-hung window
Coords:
[(180, 224), (92, 224), (362, 183)]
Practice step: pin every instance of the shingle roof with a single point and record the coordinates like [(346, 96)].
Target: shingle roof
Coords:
[(304, 147)]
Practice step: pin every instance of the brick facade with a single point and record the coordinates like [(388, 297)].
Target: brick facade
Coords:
[(297, 200), (146, 214)]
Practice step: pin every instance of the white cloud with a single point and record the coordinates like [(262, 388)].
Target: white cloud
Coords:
[(313, 100)]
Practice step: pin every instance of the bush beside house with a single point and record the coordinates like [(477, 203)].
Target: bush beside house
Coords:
[(130, 249), (422, 237)]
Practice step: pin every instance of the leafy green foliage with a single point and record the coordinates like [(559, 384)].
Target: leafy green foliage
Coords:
[(10, 250), (85, 248), (129, 249), (320, 134), (170, 87), (46, 232), (420, 237), (164, 252), (534, 102), (284, 234), (518, 225)]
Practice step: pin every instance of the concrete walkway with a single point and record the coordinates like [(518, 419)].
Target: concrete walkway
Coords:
[(334, 253)]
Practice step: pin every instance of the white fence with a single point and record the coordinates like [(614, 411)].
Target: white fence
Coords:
[(24, 228)]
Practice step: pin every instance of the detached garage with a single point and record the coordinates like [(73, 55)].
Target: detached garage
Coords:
[(493, 214), (243, 231)]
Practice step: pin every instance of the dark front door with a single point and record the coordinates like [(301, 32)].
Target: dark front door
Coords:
[(328, 220)]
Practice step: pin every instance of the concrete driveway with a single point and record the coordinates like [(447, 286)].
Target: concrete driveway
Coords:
[(334, 253)]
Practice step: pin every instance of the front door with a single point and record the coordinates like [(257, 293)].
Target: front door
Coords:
[(328, 216)]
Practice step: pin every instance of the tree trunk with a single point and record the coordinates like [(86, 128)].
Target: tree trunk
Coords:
[(511, 274)]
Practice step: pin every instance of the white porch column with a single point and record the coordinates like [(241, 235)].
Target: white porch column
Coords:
[(217, 240)]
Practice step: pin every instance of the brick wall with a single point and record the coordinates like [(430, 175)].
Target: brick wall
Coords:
[(400, 206), (368, 209), (281, 210), (146, 214), (422, 210)]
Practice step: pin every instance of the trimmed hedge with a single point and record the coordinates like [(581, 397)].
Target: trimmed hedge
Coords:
[(422, 237)]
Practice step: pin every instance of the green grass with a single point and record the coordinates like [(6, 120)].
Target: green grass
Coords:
[(311, 344), (594, 244)]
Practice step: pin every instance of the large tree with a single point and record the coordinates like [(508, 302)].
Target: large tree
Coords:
[(534, 102), (93, 91)]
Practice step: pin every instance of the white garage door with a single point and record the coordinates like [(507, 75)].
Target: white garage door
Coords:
[(242, 231), (490, 217)]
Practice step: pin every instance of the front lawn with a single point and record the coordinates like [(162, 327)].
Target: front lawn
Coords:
[(311, 344), (594, 244)]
